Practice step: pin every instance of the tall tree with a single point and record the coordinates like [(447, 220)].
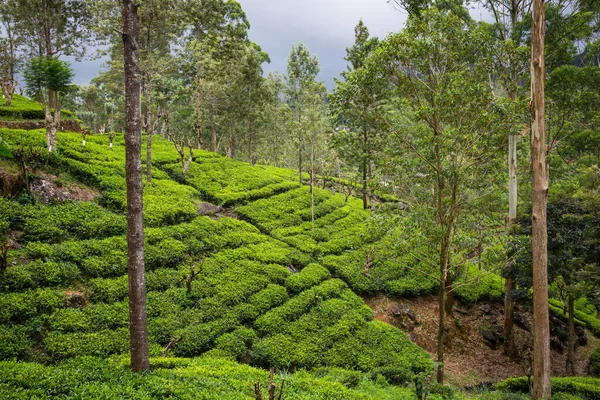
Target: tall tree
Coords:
[(539, 198), (138, 323), (302, 69), (51, 28), (9, 49), (508, 15), (355, 102), (444, 121)]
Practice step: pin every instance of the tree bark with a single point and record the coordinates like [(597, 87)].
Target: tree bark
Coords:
[(364, 170), (509, 321), (300, 146), (571, 342), (149, 127), (213, 132), (541, 339), (441, 323), (138, 326)]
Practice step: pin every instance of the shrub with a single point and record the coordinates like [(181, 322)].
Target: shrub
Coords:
[(586, 388), (99, 344), (308, 277), (24, 305), (237, 343), (13, 341), (595, 361), (108, 290), (271, 296), (480, 285)]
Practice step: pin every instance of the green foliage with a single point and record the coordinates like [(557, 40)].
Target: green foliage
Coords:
[(227, 182), (585, 388), (581, 317), (14, 342), (43, 73), (201, 378), (478, 285), (99, 344), (595, 361), (310, 276), (24, 109)]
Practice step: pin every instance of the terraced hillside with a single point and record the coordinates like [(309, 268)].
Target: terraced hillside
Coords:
[(259, 296), (267, 290)]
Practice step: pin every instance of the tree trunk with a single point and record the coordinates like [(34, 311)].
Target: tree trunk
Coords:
[(149, 127), (509, 322), (300, 146), (509, 303), (441, 324), (138, 325), (571, 342), (364, 170), (213, 133), (449, 294), (541, 340)]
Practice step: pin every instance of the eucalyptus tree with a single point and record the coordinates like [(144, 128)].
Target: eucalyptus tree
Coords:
[(355, 102), (253, 95), (539, 200), (10, 44), (52, 28), (138, 321), (277, 116), (302, 70), (443, 117), (508, 17)]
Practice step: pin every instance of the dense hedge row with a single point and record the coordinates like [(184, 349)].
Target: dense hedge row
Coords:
[(227, 182), (165, 201), (23, 108), (200, 378), (582, 318), (584, 388)]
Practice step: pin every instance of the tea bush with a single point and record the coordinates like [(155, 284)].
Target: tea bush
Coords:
[(585, 388)]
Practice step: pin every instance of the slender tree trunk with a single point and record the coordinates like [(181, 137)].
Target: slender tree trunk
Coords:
[(509, 310), (213, 133), (509, 303), (149, 127), (571, 341), (442, 319), (541, 339), (138, 324), (449, 294), (300, 146), (312, 186), (364, 170)]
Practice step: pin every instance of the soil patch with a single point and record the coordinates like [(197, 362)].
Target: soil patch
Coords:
[(470, 356)]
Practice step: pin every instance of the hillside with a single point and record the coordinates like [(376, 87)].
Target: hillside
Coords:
[(268, 291)]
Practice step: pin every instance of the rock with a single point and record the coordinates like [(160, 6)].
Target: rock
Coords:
[(557, 345), (521, 321), (486, 309), (11, 184), (582, 338), (490, 338), (47, 188), (209, 209), (75, 299)]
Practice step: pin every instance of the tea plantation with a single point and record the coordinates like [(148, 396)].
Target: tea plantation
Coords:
[(259, 298), (269, 291)]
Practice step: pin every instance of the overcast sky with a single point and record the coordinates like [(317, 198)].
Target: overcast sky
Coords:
[(325, 26)]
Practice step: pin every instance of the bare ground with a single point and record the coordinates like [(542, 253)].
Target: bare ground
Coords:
[(469, 360)]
